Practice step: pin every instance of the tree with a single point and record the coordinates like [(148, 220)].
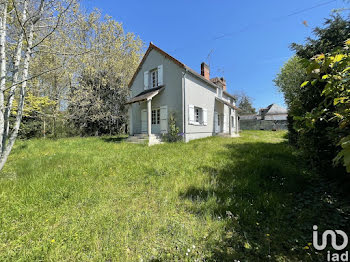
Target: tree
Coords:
[(96, 100), (318, 135), (30, 23), (332, 72), (245, 104), (288, 81), (335, 32)]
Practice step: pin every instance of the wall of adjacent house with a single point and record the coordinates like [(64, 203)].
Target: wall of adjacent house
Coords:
[(171, 96), (276, 116)]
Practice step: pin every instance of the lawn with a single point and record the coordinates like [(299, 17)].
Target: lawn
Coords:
[(215, 199)]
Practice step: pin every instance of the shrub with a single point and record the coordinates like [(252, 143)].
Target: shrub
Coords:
[(324, 130), (174, 134)]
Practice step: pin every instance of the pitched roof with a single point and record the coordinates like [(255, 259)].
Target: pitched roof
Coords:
[(275, 109), (152, 46)]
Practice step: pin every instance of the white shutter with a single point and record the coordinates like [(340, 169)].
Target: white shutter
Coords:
[(190, 114), (160, 75), (216, 122), (145, 80), (143, 120), (163, 119), (224, 128), (205, 116)]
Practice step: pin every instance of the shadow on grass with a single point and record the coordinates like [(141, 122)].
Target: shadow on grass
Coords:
[(269, 202), (114, 139)]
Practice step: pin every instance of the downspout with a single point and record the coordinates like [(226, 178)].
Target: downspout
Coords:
[(184, 103)]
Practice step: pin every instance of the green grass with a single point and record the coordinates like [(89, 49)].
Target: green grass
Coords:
[(99, 199)]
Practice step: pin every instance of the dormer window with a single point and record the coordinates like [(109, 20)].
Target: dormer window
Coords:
[(219, 92), (154, 78)]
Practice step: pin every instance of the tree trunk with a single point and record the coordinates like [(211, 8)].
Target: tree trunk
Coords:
[(11, 96), (2, 67), (17, 124), (44, 131)]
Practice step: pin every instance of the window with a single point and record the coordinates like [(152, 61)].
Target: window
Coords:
[(219, 119), (155, 116), (219, 92), (154, 78), (198, 115)]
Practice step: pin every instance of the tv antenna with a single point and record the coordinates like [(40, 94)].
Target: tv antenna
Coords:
[(209, 57)]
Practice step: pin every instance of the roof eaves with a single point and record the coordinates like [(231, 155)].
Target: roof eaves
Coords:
[(152, 46)]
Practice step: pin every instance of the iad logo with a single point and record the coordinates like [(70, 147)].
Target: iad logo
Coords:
[(333, 237)]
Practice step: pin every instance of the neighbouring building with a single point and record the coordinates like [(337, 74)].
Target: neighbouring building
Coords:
[(163, 86), (273, 117)]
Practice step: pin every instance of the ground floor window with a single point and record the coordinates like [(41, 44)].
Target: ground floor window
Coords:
[(156, 116), (198, 115), (219, 119)]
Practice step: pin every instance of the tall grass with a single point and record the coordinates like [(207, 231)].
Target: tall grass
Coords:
[(214, 199)]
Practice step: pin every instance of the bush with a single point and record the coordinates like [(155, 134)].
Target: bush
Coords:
[(324, 130), (173, 135)]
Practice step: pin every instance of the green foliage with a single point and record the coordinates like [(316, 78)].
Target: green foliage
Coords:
[(244, 103), (173, 134), (94, 59), (97, 104), (37, 110), (246, 106), (216, 199), (314, 85), (330, 74), (336, 30)]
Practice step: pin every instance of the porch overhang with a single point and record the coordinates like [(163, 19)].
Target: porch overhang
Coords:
[(146, 95), (227, 103)]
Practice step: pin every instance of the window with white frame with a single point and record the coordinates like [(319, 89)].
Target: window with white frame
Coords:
[(219, 92), (154, 78), (155, 116), (198, 115)]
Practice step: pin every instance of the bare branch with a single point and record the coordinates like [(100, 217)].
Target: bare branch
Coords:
[(57, 24), (35, 76)]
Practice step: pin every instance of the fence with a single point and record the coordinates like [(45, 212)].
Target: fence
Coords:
[(263, 124)]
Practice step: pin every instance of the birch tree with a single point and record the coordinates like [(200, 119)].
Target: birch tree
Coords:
[(31, 23)]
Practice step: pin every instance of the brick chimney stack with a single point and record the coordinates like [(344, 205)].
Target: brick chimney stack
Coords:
[(223, 81), (205, 71)]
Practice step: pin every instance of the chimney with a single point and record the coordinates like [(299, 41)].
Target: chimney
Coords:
[(223, 81), (205, 71)]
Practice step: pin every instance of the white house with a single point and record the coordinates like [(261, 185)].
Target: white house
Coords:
[(163, 86)]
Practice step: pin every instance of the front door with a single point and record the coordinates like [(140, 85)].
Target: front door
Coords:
[(144, 121)]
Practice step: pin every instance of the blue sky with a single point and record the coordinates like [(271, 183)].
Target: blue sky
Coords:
[(247, 42)]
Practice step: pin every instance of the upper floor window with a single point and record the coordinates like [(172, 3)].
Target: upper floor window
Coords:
[(154, 78), (219, 92)]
